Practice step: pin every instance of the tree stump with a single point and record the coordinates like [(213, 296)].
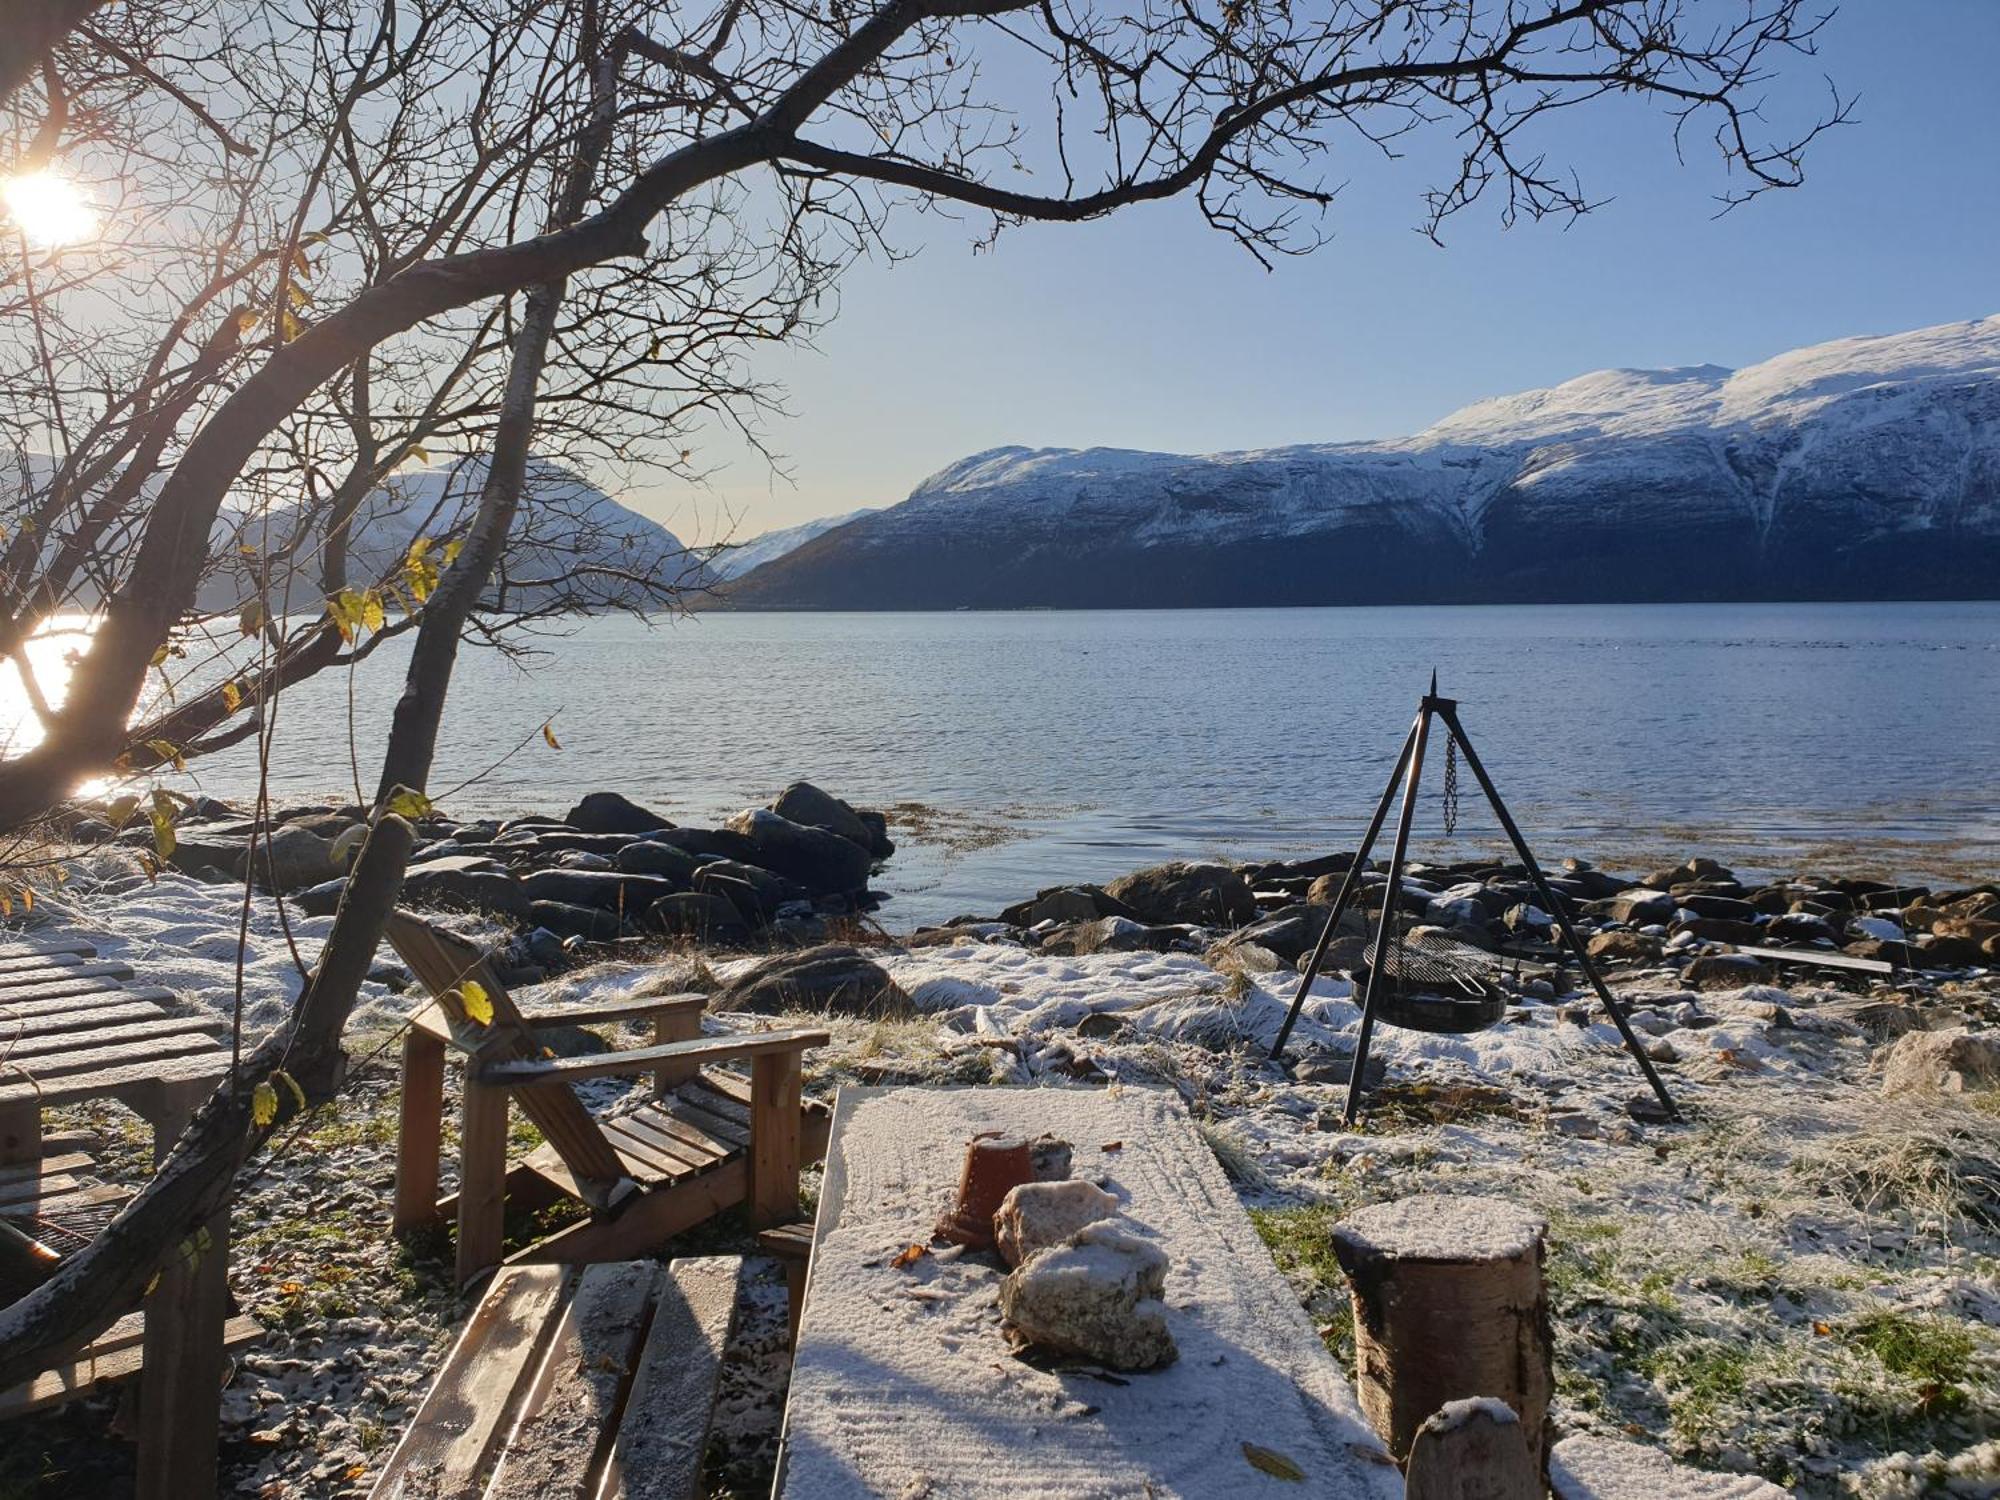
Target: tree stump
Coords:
[(1472, 1450), (1448, 1305)]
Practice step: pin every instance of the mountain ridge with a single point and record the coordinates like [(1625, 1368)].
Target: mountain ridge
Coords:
[(1866, 467)]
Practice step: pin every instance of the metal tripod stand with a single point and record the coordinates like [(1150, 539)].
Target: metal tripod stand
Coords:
[(1409, 771)]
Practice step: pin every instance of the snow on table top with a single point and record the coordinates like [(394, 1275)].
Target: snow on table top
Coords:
[(902, 1385)]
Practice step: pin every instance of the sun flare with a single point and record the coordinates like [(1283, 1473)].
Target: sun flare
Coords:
[(48, 208)]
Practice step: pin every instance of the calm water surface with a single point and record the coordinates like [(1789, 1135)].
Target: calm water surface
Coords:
[(1029, 748)]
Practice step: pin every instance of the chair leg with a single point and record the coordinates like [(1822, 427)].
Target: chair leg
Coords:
[(419, 1132), (20, 1134), (482, 1179), (776, 1086)]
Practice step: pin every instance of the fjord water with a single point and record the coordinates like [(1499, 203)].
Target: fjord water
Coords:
[(1027, 749)]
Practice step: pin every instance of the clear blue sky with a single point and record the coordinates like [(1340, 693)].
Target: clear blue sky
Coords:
[(1149, 330)]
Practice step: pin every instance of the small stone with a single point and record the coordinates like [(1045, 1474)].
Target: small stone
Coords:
[(1041, 1215), (1943, 1062), (1098, 1297)]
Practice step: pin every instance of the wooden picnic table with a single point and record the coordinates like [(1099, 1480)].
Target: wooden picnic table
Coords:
[(72, 1030), (902, 1383)]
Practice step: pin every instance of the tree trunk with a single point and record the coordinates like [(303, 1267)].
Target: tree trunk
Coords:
[(1448, 1304), (1472, 1450)]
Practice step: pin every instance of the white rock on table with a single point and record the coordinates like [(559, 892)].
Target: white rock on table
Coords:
[(1098, 1297), (1039, 1215)]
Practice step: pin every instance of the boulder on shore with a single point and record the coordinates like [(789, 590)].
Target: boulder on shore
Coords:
[(1943, 1062), (608, 812), (1209, 895), (833, 978), (823, 862), (699, 915), (291, 859), (806, 804)]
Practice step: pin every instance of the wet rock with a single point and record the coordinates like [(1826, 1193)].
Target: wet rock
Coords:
[(1064, 903), (1625, 948), (1038, 1216), (757, 894), (1687, 872), (293, 858), (1943, 1062), (1291, 931), (1728, 908), (464, 882), (1719, 930), (608, 812), (1112, 935), (321, 900), (646, 857), (1727, 971), (587, 922), (1799, 927), (607, 890), (806, 804), (1206, 894), (583, 859), (1638, 907), (818, 860), (1903, 955), (833, 978), (701, 915), (1098, 1297)]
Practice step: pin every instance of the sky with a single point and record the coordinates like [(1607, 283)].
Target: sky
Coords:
[(1151, 330)]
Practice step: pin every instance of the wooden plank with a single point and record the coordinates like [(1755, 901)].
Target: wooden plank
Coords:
[(107, 1059), (419, 1132), (1824, 957), (31, 1012), (644, 1059), (450, 1445), (27, 1172), (644, 1225), (644, 1160), (570, 1414), (180, 1399), (47, 948), (675, 1118), (137, 1037), (433, 1021), (116, 1354), (657, 1453), (80, 1196), (130, 1078), (774, 1138), (650, 1128), (732, 1103), (15, 979), (719, 1126), (482, 1179), (27, 1197), (679, 1025), (115, 1011), (27, 995)]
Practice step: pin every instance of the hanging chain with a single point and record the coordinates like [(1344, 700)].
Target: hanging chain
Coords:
[(1450, 787)]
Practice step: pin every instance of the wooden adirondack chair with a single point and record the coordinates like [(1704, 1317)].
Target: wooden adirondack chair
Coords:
[(708, 1139)]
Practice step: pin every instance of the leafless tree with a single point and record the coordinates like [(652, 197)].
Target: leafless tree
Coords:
[(733, 162)]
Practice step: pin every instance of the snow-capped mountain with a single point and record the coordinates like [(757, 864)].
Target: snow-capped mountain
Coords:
[(1863, 468), (734, 559), (570, 541)]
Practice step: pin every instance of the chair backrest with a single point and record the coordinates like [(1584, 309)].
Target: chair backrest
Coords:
[(443, 962)]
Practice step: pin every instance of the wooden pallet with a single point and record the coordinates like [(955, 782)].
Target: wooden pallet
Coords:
[(117, 1354)]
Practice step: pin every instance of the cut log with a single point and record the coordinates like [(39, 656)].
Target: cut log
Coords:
[(1472, 1450), (1448, 1305)]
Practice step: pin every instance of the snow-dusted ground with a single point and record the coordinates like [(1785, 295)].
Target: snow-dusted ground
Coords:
[(1803, 1281)]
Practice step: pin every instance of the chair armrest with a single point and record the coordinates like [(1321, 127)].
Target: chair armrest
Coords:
[(513, 1074)]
